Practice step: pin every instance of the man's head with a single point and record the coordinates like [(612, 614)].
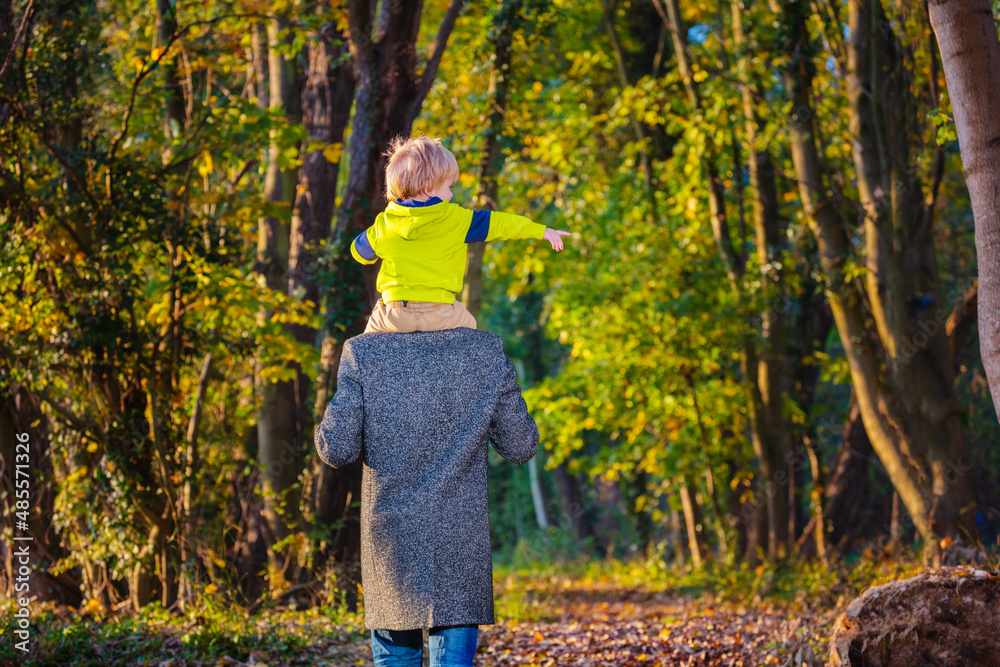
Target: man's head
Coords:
[(418, 166)]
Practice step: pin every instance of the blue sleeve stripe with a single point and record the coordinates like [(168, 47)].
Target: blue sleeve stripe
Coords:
[(364, 247), (479, 228)]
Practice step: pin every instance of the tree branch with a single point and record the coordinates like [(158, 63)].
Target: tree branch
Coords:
[(359, 16), (141, 76), (85, 426), (17, 38), (437, 51)]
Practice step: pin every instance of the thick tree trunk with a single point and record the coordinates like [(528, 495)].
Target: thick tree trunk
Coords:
[(902, 271), (20, 413), (970, 54), (388, 95), (766, 370), (327, 98), (280, 450), (844, 302), (910, 442)]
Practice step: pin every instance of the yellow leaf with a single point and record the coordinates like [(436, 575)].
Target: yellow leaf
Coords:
[(211, 588), (537, 86), (205, 168), (946, 542), (538, 636), (700, 76), (332, 152), (157, 52)]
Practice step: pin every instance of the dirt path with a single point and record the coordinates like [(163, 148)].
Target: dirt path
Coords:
[(633, 629), (603, 627)]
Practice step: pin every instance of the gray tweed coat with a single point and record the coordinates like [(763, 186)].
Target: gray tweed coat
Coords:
[(419, 408)]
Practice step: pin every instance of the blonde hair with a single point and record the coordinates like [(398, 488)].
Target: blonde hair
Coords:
[(417, 164)]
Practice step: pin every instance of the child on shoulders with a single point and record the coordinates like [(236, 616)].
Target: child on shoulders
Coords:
[(421, 238)]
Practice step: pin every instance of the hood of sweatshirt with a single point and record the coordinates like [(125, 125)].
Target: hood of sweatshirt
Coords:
[(410, 219)]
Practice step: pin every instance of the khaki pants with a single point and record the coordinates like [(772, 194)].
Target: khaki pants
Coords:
[(394, 317)]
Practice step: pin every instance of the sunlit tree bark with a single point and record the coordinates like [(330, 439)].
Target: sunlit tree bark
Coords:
[(970, 55), (904, 389)]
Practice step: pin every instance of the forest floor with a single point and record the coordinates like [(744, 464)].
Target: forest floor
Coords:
[(621, 615), (637, 628)]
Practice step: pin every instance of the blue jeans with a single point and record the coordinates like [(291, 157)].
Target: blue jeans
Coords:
[(450, 646)]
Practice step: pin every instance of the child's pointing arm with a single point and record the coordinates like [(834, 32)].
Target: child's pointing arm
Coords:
[(500, 226)]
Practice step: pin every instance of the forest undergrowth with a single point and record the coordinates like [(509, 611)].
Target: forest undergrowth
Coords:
[(639, 611)]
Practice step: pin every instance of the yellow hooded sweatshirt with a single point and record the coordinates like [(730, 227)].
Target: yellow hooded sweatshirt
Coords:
[(423, 246)]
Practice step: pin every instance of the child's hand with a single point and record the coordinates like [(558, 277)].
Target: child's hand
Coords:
[(554, 236)]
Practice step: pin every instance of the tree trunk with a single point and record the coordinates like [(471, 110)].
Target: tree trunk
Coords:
[(970, 55), (901, 267), (279, 444), (327, 97), (765, 371), (676, 531), (848, 485), (691, 523), (166, 360), (388, 95), (20, 413), (908, 411), (573, 504), (505, 22), (192, 464)]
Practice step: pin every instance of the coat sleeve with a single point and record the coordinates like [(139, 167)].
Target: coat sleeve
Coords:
[(500, 226), (363, 246), (339, 436), (512, 430)]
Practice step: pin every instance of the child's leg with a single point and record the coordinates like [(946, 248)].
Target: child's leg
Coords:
[(440, 316)]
